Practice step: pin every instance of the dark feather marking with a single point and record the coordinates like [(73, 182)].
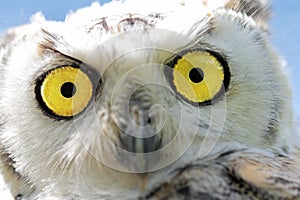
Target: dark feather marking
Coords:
[(125, 23), (50, 39), (226, 153), (102, 23), (19, 197), (186, 183), (131, 22), (239, 186), (8, 161), (50, 44)]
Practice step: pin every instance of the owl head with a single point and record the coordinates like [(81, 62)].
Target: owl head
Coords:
[(127, 89)]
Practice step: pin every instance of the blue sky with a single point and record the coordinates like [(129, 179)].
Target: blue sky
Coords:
[(285, 27)]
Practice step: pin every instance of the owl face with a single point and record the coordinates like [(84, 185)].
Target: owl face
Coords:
[(137, 93)]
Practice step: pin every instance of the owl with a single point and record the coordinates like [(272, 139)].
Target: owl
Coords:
[(141, 99)]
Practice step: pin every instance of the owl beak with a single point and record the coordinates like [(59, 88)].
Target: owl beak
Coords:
[(137, 149), (139, 135), (140, 142)]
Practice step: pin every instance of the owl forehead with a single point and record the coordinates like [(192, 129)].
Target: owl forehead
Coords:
[(107, 34), (122, 51), (119, 12), (123, 23), (114, 24)]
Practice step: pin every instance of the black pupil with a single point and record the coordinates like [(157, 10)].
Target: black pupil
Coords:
[(68, 90), (196, 75)]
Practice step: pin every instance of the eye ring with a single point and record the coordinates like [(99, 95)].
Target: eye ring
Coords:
[(67, 90), (198, 76)]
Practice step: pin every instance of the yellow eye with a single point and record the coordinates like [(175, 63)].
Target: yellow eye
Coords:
[(199, 76), (65, 91)]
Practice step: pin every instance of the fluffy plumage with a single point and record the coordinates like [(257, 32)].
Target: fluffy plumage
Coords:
[(238, 145)]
